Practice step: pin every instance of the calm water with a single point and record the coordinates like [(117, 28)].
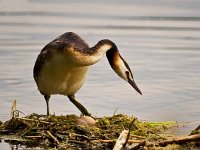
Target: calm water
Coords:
[(159, 39)]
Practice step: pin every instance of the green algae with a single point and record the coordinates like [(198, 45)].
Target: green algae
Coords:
[(112, 126)]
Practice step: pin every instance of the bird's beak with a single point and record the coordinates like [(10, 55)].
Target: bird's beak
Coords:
[(134, 85)]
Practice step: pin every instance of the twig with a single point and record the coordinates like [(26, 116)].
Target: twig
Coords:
[(195, 131), (112, 141), (115, 111), (33, 137), (76, 142), (28, 129), (26, 119), (18, 111), (129, 130), (13, 110), (137, 136), (53, 138), (197, 128), (137, 146), (103, 141), (190, 138), (8, 132), (81, 136)]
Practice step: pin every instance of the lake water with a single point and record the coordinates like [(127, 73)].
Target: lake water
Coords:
[(159, 39)]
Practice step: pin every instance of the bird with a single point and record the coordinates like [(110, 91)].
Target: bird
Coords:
[(61, 66)]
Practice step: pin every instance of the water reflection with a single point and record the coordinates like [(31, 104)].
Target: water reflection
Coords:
[(6, 145)]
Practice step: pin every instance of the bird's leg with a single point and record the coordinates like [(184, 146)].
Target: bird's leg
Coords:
[(79, 105), (47, 97)]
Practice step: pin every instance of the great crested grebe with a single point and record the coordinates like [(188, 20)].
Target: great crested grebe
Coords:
[(62, 65)]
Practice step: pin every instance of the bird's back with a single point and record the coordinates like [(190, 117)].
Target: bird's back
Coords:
[(70, 39)]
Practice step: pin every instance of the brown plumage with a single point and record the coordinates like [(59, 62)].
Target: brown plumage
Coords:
[(62, 65)]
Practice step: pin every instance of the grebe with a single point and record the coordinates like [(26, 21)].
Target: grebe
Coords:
[(62, 65)]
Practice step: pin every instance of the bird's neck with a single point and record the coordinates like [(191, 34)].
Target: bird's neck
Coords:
[(93, 54), (103, 46)]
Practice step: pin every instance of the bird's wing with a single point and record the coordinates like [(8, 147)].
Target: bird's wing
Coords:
[(63, 43)]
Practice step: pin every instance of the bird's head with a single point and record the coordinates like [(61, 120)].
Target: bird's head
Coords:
[(121, 67)]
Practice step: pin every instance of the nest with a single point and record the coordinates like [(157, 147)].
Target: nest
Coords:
[(63, 132)]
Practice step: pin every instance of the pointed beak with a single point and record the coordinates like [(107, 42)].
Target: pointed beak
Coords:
[(134, 85)]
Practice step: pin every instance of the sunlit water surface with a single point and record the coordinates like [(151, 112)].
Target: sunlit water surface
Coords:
[(159, 40)]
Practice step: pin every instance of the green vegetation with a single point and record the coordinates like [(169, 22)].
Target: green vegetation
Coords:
[(63, 132)]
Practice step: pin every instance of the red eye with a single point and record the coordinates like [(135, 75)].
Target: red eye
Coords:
[(127, 73)]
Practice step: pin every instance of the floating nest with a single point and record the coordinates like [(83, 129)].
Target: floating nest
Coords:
[(64, 132)]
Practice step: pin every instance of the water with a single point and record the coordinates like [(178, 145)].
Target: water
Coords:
[(159, 40)]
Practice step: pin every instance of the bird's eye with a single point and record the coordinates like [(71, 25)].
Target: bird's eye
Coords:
[(127, 74)]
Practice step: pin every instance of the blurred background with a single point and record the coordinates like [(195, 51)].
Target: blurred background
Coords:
[(160, 39)]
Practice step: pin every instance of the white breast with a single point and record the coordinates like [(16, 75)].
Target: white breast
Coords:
[(59, 76)]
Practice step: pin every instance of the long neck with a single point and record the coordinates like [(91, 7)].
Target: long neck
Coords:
[(97, 52), (93, 54), (113, 56)]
